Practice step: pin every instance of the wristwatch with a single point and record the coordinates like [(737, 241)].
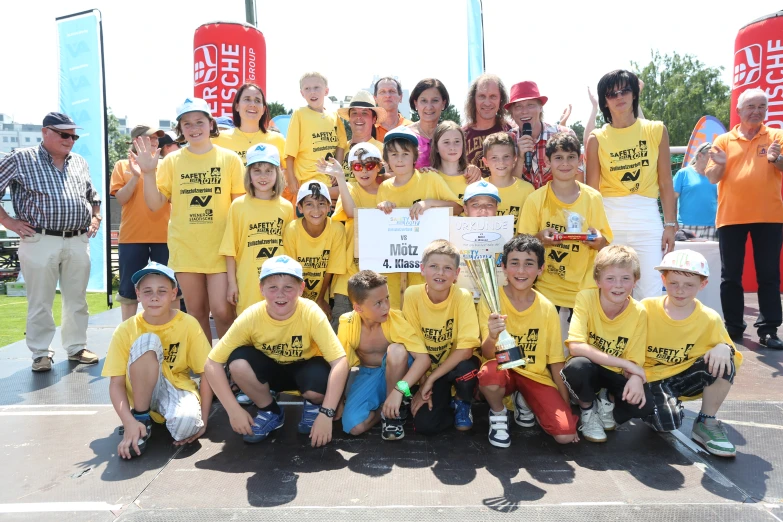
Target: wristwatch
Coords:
[(329, 412), (98, 216), (673, 225)]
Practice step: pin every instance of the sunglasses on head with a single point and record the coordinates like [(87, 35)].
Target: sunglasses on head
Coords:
[(615, 94), (368, 165), (64, 135)]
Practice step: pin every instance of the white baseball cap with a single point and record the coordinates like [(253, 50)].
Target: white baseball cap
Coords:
[(688, 261), (308, 189), (193, 105), (370, 151), (281, 265), (153, 268), (481, 188), (263, 153)]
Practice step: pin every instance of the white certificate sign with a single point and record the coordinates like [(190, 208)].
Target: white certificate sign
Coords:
[(391, 243), (479, 237)]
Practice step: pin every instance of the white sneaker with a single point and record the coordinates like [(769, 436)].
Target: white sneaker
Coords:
[(591, 427), (605, 411), (498, 429), (523, 415)]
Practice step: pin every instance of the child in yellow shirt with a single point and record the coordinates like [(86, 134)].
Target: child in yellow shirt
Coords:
[(689, 353), (410, 188), (532, 321), (256, 221), (317, 242), (444, 317), (282, 343), (389, 355), (500, 156), (150, 359), (449, 157), (313, 134), (606, 340)]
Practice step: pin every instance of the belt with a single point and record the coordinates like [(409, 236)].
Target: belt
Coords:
[(60, 233)]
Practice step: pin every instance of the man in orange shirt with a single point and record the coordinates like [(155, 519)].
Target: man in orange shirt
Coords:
[(388, 93), (746, 164)]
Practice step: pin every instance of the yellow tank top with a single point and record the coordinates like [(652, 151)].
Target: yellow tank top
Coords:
[(629, 159)]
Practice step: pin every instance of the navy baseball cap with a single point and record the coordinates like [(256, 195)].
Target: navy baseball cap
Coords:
[(59, 121)]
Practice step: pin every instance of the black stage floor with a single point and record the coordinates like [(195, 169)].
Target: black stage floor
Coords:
[(59, 436)]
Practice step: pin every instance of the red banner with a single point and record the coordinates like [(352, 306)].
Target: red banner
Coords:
[(226, 55)]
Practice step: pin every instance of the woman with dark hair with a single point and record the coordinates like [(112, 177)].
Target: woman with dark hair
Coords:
[(628, 160), (429, 99), (250, 114)]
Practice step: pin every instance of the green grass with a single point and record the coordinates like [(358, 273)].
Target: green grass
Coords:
[(13, 314)]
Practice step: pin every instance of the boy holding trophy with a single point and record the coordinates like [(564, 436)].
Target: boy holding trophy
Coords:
[(532, 321)]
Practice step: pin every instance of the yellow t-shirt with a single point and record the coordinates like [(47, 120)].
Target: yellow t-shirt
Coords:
[(311, 136), (396, 330), (350, 177), (568, 265), (673, 346), (239, 142), (422, 185), (536, 331), (629, 158), (513, 197), (254, 233), (623, 337), (361, 199), (457, 184), (318, 255), (199, 187), (185, 349), (444, 327), (304, 335)]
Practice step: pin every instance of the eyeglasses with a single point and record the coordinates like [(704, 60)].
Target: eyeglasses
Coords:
[(64, 135), (368, 165), (615, 94)]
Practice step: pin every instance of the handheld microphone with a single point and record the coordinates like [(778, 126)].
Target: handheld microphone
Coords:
[(527, 130)]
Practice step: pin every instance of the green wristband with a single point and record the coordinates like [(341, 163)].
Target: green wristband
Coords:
[(403, 388)]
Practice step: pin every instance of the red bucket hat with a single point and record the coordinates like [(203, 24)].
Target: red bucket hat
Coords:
[(525, 91)]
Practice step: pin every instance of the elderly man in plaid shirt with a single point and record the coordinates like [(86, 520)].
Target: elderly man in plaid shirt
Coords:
[(57, 210)]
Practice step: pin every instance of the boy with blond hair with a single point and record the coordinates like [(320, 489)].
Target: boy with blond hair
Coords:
[(689, 353), (500, 156)]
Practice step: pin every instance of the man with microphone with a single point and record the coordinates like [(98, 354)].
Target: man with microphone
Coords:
[(526, 107)]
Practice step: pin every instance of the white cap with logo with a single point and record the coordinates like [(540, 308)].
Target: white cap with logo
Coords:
[(153, 268), (312, 188), (688, 261), (193, 105), (281, 265), (263, 153)]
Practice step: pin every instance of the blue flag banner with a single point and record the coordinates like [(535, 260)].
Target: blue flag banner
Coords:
[(475, 40), (81, 98)]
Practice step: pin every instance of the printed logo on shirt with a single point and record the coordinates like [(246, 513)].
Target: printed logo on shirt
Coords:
[(438, 341), (170, 354), (200, 201), (266, 253), (323, 141), (614, 348), (204, 218), (574, 248), (666, 356), (556, 256), (761, 150), (218, 190), (631, 180), (315, 262), (292, 350), (212, 177), (528, 343), (272, 228)]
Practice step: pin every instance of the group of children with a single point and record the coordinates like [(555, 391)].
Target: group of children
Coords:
[(387, 357)]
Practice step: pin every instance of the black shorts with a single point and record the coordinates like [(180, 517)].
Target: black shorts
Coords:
[(135, 256), (666, 393), (302, 376)]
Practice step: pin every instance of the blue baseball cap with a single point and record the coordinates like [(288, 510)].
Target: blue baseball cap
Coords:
[(281, 265), (263, 153), (225, 122), (153, 268), (193, 105), (401, 133), (481, 188)]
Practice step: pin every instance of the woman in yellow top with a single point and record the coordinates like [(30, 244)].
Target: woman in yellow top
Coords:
[(200, 180), (628, 161)]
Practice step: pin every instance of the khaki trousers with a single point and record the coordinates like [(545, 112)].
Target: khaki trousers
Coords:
[(46, 260)]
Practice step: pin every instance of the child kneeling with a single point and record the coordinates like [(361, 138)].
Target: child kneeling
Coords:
[(533, 322), (150, 358), (689, 352), (390, 358)]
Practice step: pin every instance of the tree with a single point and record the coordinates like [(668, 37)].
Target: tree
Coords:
[(579, 128), (118, 143), (679, 90), (277, 109), (450, 114)]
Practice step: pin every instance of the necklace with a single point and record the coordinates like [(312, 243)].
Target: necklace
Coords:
[(249, 139), (428, 136)]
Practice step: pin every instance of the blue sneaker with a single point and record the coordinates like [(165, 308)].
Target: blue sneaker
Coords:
[(145, 419), (463, 417), (265, 423), (309, 413)]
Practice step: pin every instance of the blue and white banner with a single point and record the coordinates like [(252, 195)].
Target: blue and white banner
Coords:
[(475, 40), (81, 98)]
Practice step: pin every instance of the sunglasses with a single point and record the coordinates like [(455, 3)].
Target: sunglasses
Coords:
[(64, 135), (368, 165), (616, 94)]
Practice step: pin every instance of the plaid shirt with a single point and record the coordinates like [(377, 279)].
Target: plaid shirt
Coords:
[(43, 195), (539, 175)]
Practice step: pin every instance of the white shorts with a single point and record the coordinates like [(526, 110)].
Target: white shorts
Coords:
[(180, 408)]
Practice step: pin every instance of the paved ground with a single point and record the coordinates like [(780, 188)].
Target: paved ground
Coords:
[(58, 442)]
